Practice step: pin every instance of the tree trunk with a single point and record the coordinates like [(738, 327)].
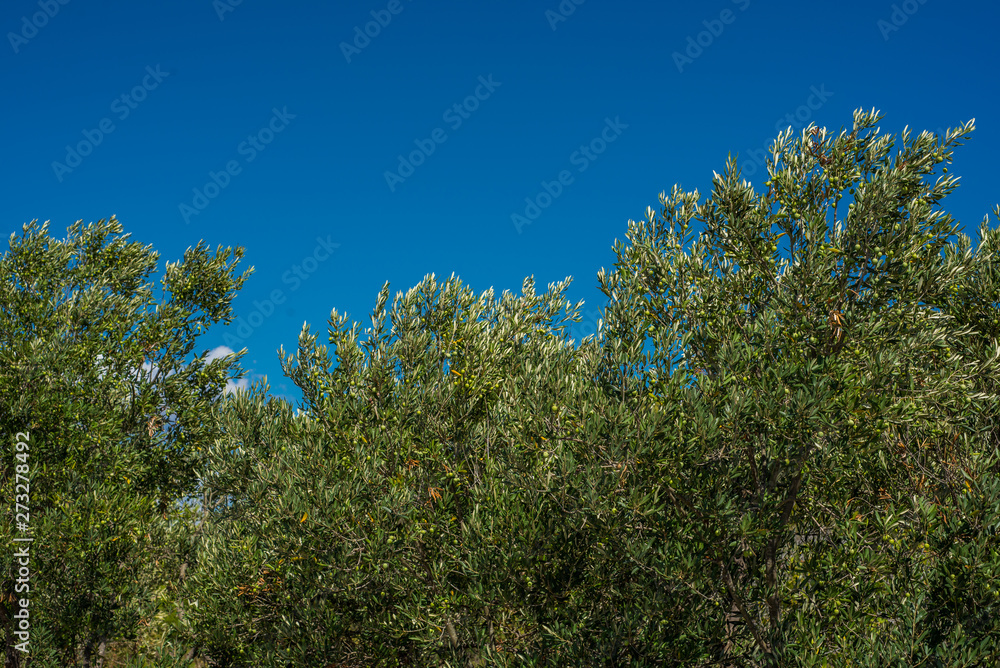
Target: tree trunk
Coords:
[(88, 651), (102, 647)]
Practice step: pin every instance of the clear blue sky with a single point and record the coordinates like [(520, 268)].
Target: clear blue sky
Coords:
[(201, 77)]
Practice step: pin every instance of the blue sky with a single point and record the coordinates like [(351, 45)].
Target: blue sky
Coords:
[(273, 126)]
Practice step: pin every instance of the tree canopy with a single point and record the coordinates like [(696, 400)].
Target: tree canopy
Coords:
[(780, 449)]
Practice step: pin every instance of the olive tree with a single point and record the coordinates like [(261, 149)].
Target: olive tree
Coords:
[(781, 449), (448, 495), (96, 372), (828, 361)]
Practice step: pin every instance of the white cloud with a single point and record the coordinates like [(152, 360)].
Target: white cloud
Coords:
[(149, 370), (240, 384), (231, 385), (218, 353)]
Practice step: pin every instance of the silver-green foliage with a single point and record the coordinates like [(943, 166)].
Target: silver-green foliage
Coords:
[(112, 447), (842, 406), (801, 472)]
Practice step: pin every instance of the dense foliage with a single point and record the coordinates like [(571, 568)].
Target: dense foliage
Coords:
[(781, 450), (93, 369)]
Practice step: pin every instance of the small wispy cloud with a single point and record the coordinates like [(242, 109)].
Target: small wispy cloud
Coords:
[(218, 353), (231, 385), (240, 384)]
